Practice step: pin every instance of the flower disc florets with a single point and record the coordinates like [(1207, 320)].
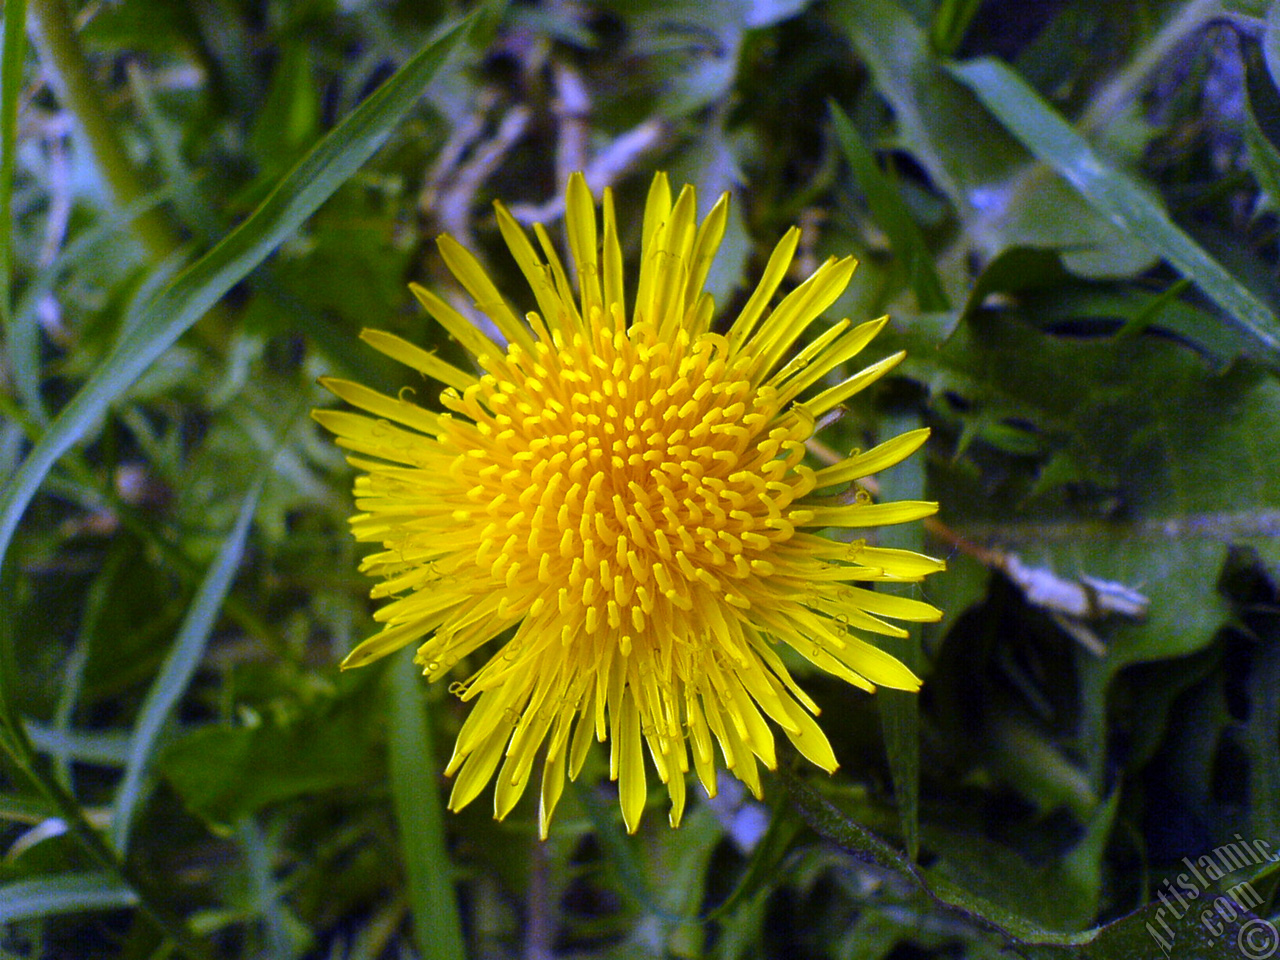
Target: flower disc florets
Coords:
[(629, 494)]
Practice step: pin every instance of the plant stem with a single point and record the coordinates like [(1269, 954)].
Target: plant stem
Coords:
[(14, 53), (64, 58)]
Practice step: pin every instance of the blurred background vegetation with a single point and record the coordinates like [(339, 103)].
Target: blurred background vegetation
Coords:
[(1069, 209)]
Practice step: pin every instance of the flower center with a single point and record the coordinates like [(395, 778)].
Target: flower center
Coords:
[(618, 478)]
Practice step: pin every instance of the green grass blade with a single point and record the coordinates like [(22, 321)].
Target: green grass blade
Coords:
[(1056, 143), (258, 855), (899, 710), (28, 810), (436, 928), (11, 62), (950, 23), (64, 893), (24, 345), (20, 332), (298, 195), (96, 605), (1262, 124), (102, 748), (179, 667), (892, 215)]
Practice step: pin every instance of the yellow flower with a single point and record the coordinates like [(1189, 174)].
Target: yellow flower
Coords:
[(625, 499)]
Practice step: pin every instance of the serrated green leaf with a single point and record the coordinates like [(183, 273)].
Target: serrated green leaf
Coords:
[(1049, 295), (1188, 454)]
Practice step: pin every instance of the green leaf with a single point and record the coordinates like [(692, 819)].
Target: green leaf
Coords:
[(692, 49), (290, 115), (329, 164), (950, 23), (420, 815), (108, 748), (1047, 295), (1184, 456), (226, 773), (1113, 194), (1262, 127), (1129, 938), (11, 63), (892, 215), (1059, 894), (1001, 196), (24, 346), (1014, 270), (64, 893), (24, 809), (180, 666)]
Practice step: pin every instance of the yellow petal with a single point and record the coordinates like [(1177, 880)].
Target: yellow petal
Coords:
[(871, 514), (890, 605), (391, 639), (878, 458), (428, 364), (707, 242), (774, 272), (804, 732), (843, 350), (880, 668), (553, 769), (631, 776), (536, 273), (568, 315), (859, 381), (580, 221), (613, 284), (380, 405), (676, 784), (476, 771), (800, 308), (459, 327), (488, 300), (905, 564)]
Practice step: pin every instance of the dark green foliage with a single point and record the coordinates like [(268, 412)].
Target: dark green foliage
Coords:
[(1069, 210)]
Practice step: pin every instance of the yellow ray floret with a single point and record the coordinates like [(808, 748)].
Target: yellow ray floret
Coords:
[(620, 501)]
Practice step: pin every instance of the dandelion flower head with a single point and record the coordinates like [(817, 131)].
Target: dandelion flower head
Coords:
[(621, 500)]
